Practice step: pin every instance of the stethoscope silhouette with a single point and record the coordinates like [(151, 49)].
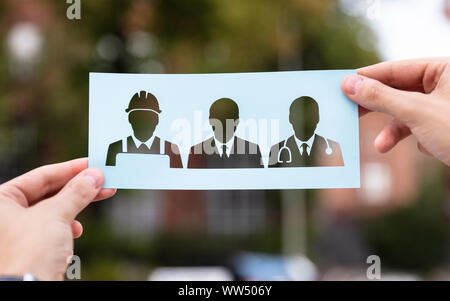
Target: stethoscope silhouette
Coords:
[(328, 151)]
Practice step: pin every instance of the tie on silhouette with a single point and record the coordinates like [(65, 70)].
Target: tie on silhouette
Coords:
[(224, 151), (143, 148), (304, 147)]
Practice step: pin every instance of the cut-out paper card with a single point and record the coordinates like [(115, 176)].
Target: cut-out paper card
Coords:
[(275, 130)]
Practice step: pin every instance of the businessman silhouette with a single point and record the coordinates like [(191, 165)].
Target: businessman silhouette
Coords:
[(143, 115), (224, 149), (305, 148)]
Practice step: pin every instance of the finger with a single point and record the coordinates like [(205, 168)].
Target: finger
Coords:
[(105, 194), (77, 194), (418, 75), (36, 184), (77, 229), (391, 134), (375, 96), (423, 150)]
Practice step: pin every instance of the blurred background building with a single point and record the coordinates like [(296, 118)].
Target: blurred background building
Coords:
[(401, 213)]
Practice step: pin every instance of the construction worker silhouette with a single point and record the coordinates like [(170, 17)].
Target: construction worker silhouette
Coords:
[(224, 149), (143, 115), (305, 148)]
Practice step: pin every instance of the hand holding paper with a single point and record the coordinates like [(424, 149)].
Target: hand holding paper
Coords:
[(416, 93), (37, 212)]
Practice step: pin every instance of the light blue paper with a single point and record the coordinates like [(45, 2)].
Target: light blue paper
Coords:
[(185, 100)]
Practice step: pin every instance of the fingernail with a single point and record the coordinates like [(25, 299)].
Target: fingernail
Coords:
[(378, 140), (352, 84), (94, 176)]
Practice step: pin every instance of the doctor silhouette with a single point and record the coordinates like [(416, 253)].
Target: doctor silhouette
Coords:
[(143, 115), (224, 149), (305, 148)]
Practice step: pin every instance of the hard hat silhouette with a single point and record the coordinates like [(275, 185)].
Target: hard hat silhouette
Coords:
[(143, 101)]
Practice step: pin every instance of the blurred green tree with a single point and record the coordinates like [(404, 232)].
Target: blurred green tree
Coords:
[(151, 36), (414, 238)]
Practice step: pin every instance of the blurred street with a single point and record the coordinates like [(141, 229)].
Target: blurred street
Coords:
[(401, 213)]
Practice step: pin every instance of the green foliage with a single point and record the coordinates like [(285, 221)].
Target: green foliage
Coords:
[(414, 238), (190, 36)]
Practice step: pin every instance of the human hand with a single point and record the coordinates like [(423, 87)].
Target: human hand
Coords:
[(416, 93), (37, 212)]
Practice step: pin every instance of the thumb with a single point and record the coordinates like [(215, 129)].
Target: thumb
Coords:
[(77, 194), (376, 96)]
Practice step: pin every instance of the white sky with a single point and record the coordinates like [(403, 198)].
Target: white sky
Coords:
[(405, 28)]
